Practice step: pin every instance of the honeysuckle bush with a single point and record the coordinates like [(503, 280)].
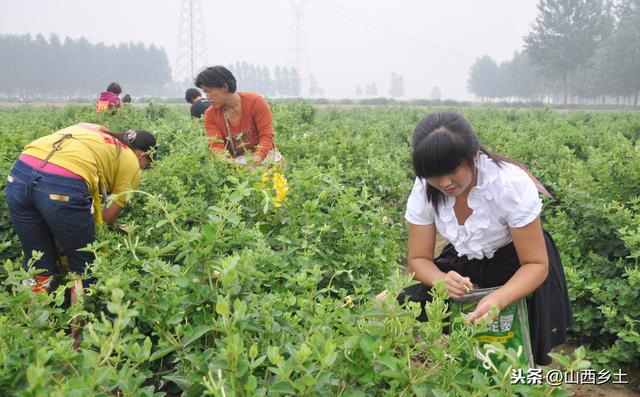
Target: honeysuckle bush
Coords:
[(221, 287)]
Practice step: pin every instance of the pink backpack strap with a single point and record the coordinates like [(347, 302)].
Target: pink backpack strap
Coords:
[(539, 186)]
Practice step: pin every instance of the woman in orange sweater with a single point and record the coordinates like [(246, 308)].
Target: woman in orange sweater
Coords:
[(239, 124)]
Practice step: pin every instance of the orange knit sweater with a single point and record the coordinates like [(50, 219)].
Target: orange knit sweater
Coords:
[(252, 132)]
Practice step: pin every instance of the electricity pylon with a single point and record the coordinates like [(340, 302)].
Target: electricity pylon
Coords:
[(298, 56), (192, 42)]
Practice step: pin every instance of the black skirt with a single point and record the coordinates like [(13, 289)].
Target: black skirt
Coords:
[(549, 309)]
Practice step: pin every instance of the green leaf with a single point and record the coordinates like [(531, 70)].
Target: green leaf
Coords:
[(374, 313), (366, 344), (389, 362), (329, 359), (251, 385), (366, 376), (282, 387), (243, 366), (253, 351), (563, 360), (580, 353), (219, 362), (558, 392), (113, 307), (420, 389), (258, 362), (161, 353), (196, 334), (182, 383), (351, 392), (42, 317), (222, 308), (234, 219), (273, 352)]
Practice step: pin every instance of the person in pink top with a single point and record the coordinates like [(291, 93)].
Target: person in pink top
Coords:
[(109, 99)]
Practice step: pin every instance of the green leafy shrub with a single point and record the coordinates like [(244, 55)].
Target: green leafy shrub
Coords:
[(215, 289)]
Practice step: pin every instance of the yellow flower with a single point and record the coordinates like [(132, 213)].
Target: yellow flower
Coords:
[(278, 185), (265, 178), (348, 301), (281, 187)]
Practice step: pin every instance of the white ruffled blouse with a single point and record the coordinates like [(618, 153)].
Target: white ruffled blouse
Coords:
[(504, 197)]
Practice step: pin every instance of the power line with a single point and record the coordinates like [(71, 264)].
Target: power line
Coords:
[(354, 17), (336, 8)]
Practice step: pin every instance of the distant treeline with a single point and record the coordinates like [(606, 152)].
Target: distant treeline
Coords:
[(282, 82), (37, 67), (578, 51)]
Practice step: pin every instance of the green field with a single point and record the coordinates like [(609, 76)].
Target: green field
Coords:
[(215, 290)]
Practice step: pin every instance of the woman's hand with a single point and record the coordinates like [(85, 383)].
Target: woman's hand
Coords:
[(382, 295), (256, 159), (110, 214), (483, 310), (457, 285)]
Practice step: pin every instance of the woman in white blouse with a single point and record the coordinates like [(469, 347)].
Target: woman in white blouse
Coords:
[(488, 208)]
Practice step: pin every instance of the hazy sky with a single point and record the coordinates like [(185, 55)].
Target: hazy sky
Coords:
[(349, 42)]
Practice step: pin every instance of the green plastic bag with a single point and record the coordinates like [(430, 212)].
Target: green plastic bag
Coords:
[(510, 329)]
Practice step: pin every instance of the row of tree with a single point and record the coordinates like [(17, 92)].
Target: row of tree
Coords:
[(396, 87), (578, 51), (283, 81), (37, 67), (34, 67)]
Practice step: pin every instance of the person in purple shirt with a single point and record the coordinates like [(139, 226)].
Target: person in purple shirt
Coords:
[(109, 99)]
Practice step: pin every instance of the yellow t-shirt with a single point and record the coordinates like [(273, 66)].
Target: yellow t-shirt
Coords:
[(100, 159)]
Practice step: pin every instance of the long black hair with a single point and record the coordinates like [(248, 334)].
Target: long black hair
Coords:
[(441, 143)]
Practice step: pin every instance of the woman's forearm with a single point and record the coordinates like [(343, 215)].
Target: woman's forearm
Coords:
[(425, 271), (526, 280), (110, 213)]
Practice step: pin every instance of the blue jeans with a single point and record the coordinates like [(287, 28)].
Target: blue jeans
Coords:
[(46, 208)]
